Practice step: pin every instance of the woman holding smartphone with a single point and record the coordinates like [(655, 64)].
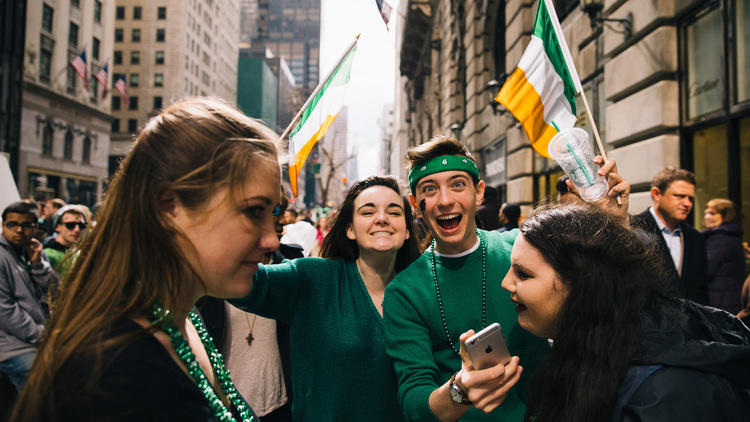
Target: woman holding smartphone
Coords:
[(333, 306), (624, 350)]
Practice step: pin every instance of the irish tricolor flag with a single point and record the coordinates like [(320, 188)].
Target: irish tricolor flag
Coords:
[(318, 114), (541, 91)]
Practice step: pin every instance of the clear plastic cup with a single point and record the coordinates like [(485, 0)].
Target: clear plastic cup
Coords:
[(573, 152)]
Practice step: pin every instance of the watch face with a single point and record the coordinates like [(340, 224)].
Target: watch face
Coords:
[(456, 394)]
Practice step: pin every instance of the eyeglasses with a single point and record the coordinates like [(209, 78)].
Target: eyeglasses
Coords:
[(71, 226), (25, 226)]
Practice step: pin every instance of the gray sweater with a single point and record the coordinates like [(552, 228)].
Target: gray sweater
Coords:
[(21, 291)]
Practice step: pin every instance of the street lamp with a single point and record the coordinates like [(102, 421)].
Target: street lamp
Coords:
[(492, 88), (593, 8), (456, 129)]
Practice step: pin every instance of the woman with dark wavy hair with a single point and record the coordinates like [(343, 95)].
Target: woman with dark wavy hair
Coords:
[(624, 350), (333, 306)]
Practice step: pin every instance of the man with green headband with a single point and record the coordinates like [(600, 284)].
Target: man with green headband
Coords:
[(452, 288), (434, 305)]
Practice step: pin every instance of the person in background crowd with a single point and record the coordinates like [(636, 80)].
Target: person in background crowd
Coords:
[(322, 226), (672, 195), (726, 258), (624, 349), (70, 223), (333, 305), (488, 212), (48, 214), (25, 274), (189, 213), (509, 215)]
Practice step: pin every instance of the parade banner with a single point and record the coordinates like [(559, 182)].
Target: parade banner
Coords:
[(541, 92)]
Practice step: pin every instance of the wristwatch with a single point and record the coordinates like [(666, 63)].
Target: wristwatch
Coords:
[(457, 394)]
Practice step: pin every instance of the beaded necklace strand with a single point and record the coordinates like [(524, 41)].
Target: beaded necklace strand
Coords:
[(164, 319), (440, 298)]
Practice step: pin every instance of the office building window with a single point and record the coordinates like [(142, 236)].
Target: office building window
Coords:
[(118, 35), (47, 14), (71, 79), (134, 80), (159, 57), (157, 103), (68, 146), (97, 11), (158, 79), (115, 125), (73, 35), (133, 103), (47, 140), (704, 65), (117, 57), (75, 3), (115, 103), (95, 48), (86, 155), (132, 125), (742, 53), (161, 12), (135, 57), (160, 35), (137, 12), (136, 35), (45, 58), (120, 13)]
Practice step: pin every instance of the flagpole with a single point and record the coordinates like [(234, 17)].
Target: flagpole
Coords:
[(596, 134)]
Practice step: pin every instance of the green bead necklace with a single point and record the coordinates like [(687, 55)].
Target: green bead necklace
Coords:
[(164, 319), (440, 298)]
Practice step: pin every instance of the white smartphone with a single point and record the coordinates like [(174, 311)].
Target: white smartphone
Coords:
[(487, 348)]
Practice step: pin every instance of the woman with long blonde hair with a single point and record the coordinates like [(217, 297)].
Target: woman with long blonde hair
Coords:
[(189, 213)]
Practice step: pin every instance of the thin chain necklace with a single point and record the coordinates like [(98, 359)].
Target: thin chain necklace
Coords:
[(440, 298), (164, 319)]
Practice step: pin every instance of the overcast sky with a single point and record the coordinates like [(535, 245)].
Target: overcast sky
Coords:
[(372, 78)]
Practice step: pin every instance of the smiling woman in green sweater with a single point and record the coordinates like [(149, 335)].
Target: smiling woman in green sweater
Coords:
[(333, 305)]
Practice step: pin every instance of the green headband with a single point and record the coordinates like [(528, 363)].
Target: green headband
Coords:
[(443, 163)]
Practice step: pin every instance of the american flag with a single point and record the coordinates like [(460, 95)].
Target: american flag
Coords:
[(79, 64), (385, 10), (101, 76), (122, 88)]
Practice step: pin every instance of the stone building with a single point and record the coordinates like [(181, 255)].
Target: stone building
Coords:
[(64, 133), (669, 87), (168, 50)]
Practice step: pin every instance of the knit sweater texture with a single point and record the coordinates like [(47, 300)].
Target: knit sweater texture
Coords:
[(416, 340), (339, 368)]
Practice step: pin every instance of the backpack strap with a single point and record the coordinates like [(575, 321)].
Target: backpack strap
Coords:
[(633, 379)]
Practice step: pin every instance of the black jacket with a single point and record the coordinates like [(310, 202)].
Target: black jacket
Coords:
[(726, 266), (704, 359), (692, 284)]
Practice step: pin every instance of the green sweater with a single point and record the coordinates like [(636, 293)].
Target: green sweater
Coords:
[(340, 371), (416, 342)]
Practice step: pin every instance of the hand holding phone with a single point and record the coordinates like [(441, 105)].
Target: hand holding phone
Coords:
[(487, 348)]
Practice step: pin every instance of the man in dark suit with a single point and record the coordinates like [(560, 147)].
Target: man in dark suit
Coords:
[(682, 247)]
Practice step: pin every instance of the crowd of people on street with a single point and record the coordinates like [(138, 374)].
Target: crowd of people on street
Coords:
[(196, 292)]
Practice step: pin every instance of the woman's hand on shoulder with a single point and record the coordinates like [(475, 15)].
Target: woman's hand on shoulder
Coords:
[(486, 388)]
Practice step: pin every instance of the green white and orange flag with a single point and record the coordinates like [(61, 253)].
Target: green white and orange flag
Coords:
[(541, 91), (318, 114)]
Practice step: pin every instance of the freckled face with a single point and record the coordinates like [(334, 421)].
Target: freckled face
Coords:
[(536, 289), (228, 237)]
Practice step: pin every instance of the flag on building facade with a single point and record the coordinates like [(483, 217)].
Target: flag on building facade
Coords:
[(79, 64), (122, 88), (321, 110), (541, 91), (385, 10), (102, 77)]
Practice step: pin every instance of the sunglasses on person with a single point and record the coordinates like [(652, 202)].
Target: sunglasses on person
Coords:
[(72, 225), (24, 226)]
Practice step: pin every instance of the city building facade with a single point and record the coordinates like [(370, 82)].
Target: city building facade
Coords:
[(167, 50), (666, 83), (65, 127), (386, 136)]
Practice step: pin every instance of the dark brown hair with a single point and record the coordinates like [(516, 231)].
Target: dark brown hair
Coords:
[(668, 175), (438, 145), (131, 260), (337, 245)]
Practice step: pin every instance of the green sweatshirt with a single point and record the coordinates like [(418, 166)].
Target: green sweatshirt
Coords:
[(416, 341), (340, 371)]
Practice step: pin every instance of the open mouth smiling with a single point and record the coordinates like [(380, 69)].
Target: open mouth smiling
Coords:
[(519, 306), (449, 221)]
